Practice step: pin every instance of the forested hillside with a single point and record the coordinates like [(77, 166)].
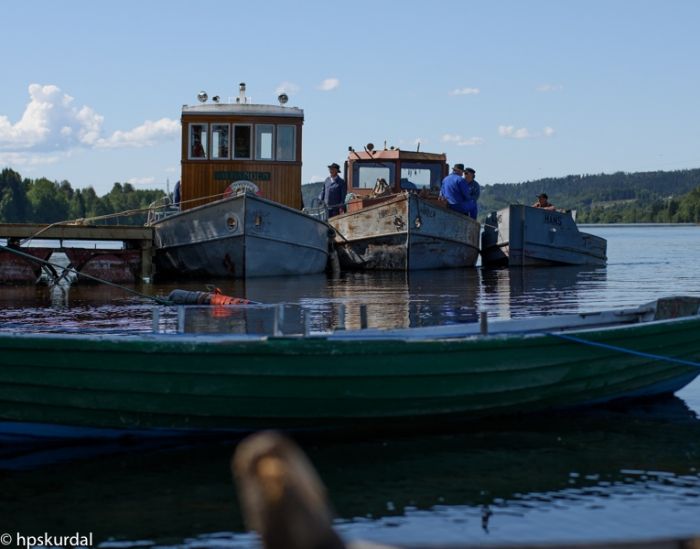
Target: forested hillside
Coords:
[(642, 197), (662, 197), (44, 201)]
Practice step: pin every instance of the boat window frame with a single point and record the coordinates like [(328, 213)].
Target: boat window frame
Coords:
[(228, 144), (391, 164), (435, 168), (293, 142), (258, 142), (251, 144), (190, 140)]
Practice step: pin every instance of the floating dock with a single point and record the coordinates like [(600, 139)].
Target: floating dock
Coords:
[(132, 263)]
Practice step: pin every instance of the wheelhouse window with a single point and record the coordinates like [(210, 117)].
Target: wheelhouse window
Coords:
[(264, 140), (219, 141), (417, 176), (242, 148), (365, 175), (286, 143), (198, 141)]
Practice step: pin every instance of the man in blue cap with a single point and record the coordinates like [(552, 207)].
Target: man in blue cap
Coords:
[(461, 194)]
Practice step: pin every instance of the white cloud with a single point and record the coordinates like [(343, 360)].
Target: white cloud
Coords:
[(549, 88), (465, 91), (462, 141), (287, 87), (316, 179), (329, 84), (52, 123), (141, 180), (27, 160), (511, 131), (523, 133), (147, 134)]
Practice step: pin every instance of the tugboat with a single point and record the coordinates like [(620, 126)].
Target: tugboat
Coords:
[(523, 236), (240, 202), (396, 220)]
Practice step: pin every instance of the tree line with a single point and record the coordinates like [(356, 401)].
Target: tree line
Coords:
[(641, 197), (44, 201)]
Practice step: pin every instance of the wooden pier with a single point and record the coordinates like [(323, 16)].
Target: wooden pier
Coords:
[(134, 261)]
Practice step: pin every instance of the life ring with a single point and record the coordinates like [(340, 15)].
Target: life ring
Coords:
[(241, 187)]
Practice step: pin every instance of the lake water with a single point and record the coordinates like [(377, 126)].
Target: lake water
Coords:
[(606, 474)]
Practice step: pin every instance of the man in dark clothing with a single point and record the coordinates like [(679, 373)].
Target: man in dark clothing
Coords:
[(334, 191)]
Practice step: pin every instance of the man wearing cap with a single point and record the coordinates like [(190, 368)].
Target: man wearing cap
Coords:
[(474, 191), (334, 191), (543, 202), (457, 192)]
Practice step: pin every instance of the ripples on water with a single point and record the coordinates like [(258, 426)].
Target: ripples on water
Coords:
[(600, 475)]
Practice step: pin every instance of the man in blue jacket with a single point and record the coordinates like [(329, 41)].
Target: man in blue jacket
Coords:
[(334, 191), (460, 193)]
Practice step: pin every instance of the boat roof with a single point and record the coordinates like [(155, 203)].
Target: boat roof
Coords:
[(242, 109), (395, 154)]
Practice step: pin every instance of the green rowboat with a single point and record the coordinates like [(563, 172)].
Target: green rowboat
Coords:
[(97, 385)]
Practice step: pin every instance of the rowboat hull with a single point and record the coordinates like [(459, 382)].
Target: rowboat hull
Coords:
[(238, 237), (184, 383), (405, 233), (521, 236)]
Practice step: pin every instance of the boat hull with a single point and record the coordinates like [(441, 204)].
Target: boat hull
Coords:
[(241, 236), (522, 236), (405, 233), (188, 384)]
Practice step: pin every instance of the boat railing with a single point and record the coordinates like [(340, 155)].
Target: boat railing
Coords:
[(352, 321), (160, 209), (317, 210)]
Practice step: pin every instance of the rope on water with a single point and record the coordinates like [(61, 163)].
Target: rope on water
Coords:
[(625, 350)]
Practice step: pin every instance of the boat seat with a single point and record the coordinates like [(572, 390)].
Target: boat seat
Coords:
[(676, 307)]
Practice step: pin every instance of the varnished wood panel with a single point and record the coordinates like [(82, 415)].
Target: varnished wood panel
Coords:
[(199, 183)]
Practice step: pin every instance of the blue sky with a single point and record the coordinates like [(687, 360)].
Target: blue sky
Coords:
[(91, 92)]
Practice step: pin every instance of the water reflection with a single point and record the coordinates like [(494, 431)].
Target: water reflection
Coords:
[(533, 291), (511, 470)]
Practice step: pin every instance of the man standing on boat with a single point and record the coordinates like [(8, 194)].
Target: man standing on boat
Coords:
[(334, 191), (474, 191), (461, 194)]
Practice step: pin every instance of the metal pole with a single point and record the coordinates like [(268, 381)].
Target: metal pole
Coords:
[(341, 316), (156, 320), (181, 319), (363, 316), (484, 322)]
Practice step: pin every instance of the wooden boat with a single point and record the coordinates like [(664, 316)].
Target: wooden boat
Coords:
[(71, 385), (240, 196), (395, 221), (525, 236)]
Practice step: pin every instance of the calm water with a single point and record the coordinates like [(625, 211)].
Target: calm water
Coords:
[(621, 473)]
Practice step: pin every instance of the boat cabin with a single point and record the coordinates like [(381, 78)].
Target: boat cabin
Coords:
[(225, 143), (375, 175)]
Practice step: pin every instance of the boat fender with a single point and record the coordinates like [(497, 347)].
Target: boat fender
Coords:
[(215, 297)]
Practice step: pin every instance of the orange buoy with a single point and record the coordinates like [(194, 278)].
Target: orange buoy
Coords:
[(215, 297)]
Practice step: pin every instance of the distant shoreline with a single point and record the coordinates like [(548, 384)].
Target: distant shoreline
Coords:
[(638, 224)]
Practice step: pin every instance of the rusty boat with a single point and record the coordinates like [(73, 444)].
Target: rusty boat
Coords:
[(394, 219)]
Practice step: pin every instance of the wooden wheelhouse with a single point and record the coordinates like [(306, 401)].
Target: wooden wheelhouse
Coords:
[(401, 170), (227, 143)]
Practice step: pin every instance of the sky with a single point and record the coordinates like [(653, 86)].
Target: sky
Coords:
[(91, 92)]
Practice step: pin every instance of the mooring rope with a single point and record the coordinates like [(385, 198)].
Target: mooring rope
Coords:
[(625, 350)]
